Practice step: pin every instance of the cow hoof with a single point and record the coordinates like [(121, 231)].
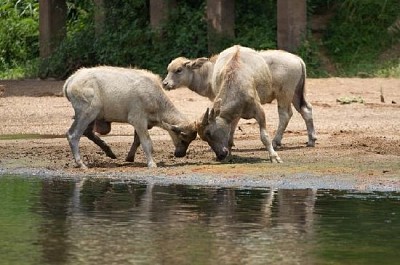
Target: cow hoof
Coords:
[(81, 166), (152, 165), (129, 159), (276, 159), (311, 144), (276, 144)]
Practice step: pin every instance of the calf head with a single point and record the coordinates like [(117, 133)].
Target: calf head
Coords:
[(182, 136), (215, 130), (180, 72)]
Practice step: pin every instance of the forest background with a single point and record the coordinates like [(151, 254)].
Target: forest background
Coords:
[(344, 37)]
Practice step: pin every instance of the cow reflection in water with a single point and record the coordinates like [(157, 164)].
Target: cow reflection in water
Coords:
[(163, 220), (55, 208)]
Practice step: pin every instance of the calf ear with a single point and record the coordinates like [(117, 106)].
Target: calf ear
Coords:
[(197, 63), (174, 128), (178, 130)]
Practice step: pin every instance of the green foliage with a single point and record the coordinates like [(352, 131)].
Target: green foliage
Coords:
[(309, 52), (19, 31), (77, 50), (184, 34), (256, 24), (128, 40), (74, 52), (359, 33)]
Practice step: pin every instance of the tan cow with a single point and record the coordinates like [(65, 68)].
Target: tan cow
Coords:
[(111, 94), (241, 80), (288, 85)]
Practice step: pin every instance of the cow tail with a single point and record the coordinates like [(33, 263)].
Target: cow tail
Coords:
[(65, 87), (300, 89)]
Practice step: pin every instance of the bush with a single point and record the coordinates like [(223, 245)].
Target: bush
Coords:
[(359, 33), (256, 24), (19, 32)]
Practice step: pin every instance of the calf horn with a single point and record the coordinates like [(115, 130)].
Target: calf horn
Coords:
[(212, 114), (204, 122)]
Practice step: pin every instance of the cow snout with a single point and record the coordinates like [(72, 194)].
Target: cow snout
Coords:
[(223, 154), (166, 85), (180, 153)]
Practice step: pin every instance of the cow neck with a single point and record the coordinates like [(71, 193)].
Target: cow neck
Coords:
[(201, 81), (170, 114)]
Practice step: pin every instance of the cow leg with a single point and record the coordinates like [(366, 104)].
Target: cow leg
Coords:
[(306, 112), (75, 132), (285, 113), (136, 143), (97, 140), (233, 129), (145, 141), (260, 117)]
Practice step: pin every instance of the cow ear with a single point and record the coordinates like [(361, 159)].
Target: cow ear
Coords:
[(197, 63), (187, 63), (204, 121), (217, 106), (166, 126), (176, 129)]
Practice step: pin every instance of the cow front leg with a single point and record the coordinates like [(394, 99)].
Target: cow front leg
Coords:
[(132, 152), (233, 129), (147, 145), (260, 117)]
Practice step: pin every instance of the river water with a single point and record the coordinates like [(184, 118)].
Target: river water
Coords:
[(111, 221)]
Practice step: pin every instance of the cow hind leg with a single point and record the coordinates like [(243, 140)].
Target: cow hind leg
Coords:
[(132, 152), (306, 112), (75, 132), (285, 113), (265, 139), (97, 140)]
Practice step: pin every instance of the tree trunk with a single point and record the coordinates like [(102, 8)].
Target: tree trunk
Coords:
[(159, 10), (52, 25), (221, 24), (292, 23)]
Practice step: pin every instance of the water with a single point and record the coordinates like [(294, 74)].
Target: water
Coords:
[(102, 221)]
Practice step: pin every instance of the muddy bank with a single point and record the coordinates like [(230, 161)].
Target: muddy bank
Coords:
[(161, 177), (358, 144)]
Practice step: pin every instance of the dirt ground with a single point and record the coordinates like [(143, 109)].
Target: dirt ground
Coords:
[(357, 140)]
